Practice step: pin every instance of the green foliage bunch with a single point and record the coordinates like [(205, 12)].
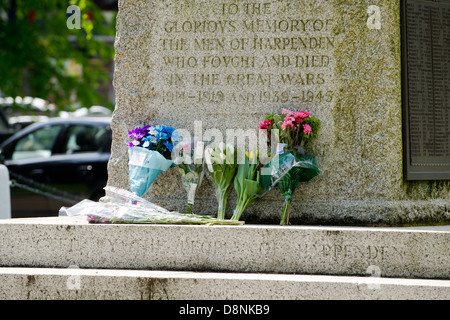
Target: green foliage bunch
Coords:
[(36, 45)]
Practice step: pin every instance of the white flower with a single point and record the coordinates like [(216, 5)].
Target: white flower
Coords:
[(208, 159), (152, 131), (222, 147)]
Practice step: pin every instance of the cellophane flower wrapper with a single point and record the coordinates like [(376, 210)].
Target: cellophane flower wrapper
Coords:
[(122, 196), (144, 167), (284, 163), (288, 170), (123, 207), (149, 154), (189, 159), (221, 163)]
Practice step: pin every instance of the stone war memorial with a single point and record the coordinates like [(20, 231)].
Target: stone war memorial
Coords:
[(366, 84), (212, 66)]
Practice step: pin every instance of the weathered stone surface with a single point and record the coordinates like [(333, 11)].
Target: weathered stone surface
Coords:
[(227, 64), (70, 241), (97, 284)]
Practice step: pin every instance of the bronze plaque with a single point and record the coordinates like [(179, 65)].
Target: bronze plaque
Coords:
[(426, 70)]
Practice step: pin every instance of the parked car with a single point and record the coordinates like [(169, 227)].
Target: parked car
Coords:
[(6, 129), (19, 112), (57, 162)]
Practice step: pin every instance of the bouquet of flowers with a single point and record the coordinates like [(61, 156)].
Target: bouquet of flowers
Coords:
[(292, 164), (247, 183), (221, 162), (188, 157), (149, 155), (125, 207)]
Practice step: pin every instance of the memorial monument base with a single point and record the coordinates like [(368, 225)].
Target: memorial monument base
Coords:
[(331, 212), (95, 284), (216, 69), (67, 258)]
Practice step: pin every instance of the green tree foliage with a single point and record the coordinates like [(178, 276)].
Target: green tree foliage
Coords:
[(36, 45)]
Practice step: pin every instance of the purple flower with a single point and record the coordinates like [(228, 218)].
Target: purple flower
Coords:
[(139, 133), (158, 138), (133, 143)]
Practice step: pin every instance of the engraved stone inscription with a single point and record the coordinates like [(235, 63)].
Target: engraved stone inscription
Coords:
[(428, 36), (342, 252), (244, 53)]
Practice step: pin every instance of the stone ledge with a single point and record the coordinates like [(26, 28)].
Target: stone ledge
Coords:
[(388, 252), (73, 284), (326, 212)]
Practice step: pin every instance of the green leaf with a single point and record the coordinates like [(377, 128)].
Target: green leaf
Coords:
[(247, 184), (36, 43)]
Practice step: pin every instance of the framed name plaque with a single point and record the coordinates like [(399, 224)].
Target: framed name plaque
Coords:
[(426, 89)]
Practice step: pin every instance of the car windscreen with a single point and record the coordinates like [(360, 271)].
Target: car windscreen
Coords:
[(85, 138), (36, 144)]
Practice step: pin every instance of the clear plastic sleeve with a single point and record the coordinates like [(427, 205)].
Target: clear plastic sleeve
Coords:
[(120, 206), (144, 167), (282, 164), (189, 159)]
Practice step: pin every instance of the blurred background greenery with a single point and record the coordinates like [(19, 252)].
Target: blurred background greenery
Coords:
[(40, 56)]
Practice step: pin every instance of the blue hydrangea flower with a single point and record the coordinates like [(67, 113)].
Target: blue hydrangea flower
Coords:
[(162, 136), (164, 129), (154, 138), (168, 145)]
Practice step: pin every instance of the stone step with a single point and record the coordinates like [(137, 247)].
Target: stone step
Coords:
[(73, 283), (61, 242)]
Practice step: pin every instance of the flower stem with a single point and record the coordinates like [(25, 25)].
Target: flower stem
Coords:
[(238, 211), (222, 199), (286, 210), (189, 208)]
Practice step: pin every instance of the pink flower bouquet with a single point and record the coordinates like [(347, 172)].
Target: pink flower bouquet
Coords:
[(291, 164)]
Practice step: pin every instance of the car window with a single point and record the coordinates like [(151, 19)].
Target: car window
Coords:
[(4, 125), (37, 144), (84, 138)]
